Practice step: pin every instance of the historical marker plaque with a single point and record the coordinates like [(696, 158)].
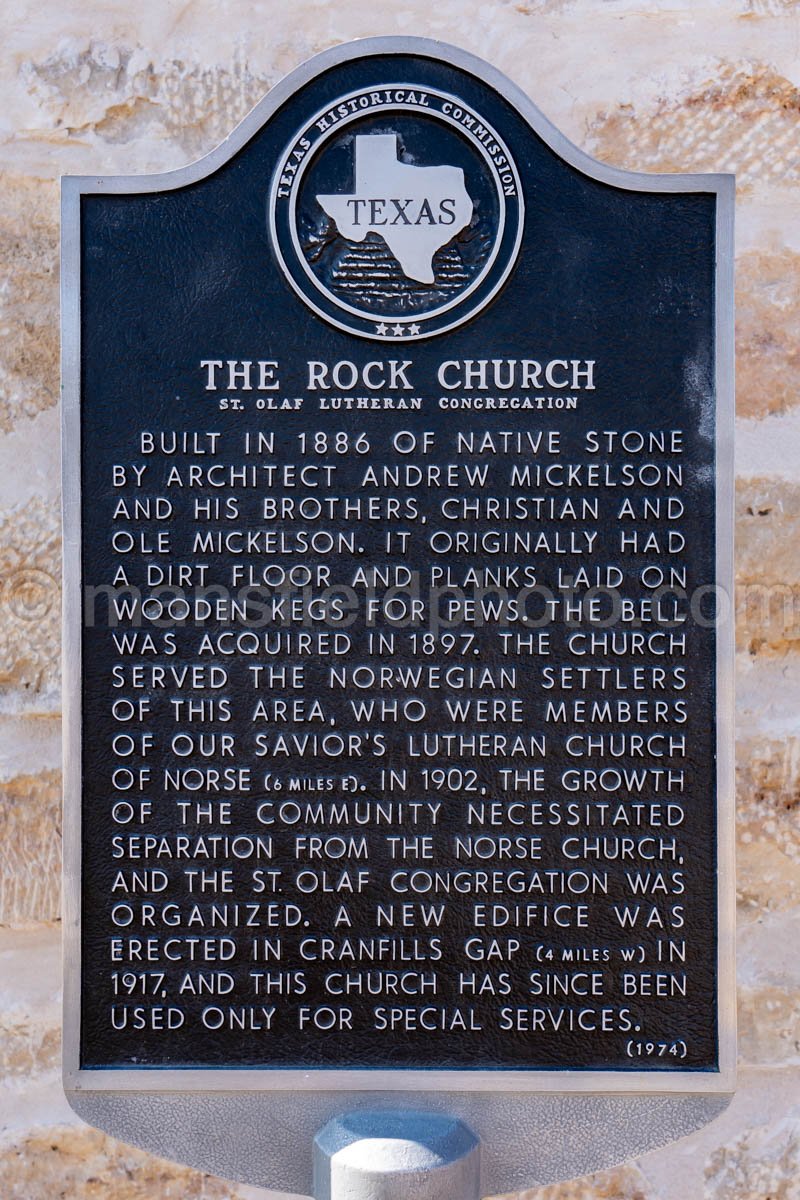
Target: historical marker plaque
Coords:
[(398, 474)]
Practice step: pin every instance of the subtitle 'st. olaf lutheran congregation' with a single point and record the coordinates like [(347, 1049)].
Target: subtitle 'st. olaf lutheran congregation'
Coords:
[(399, 764)]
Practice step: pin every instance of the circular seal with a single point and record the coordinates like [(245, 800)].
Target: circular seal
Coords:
[(396, 213)]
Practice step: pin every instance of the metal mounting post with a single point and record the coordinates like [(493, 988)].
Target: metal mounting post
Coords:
[(396, 1156)]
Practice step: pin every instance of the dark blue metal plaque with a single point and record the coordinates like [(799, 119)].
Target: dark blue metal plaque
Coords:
[(399, 647)]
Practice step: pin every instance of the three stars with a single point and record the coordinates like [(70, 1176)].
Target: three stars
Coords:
[(397, 330)]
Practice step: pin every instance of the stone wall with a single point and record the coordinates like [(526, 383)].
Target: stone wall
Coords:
[(706, 85)]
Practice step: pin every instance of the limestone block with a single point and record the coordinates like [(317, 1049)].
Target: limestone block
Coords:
[(768, 829), (767, 332), (769, 791), (115, 93), (767, 566), (29, 744), (30, 606), (30, 848), (764, 1162), (768, 785), (768, 618), (767, 879), (29, 454), (95, 79), (767, 531), (744, 117), (30, 1006), (27, 1046), (125, 97), (84, 1164), (29, 371), (622, 1183), (769, 1024), (749, 1153), (768, 449), (769, 7), (769, 979)]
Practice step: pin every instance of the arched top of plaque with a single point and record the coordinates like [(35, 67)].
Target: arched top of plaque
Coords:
[(401, 191), (435, 123)]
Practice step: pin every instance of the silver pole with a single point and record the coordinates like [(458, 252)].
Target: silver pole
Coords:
[(376, 1155)]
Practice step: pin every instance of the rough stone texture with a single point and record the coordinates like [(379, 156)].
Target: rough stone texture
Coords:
[(743, 117), (725, 1161), (697, 84), (767, 332), (764, 1163), (767, 617), (30, 1010), (23, 1050), (31, 742), (118, 94), (767, 566), (623, 1183), (769, 792), (29, 300), (30, 848), (769, 979), (30, 605), (767, 879), (83, 1164), (768, 526)]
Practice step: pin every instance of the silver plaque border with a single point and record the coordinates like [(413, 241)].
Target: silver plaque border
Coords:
[(450, 1087)]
